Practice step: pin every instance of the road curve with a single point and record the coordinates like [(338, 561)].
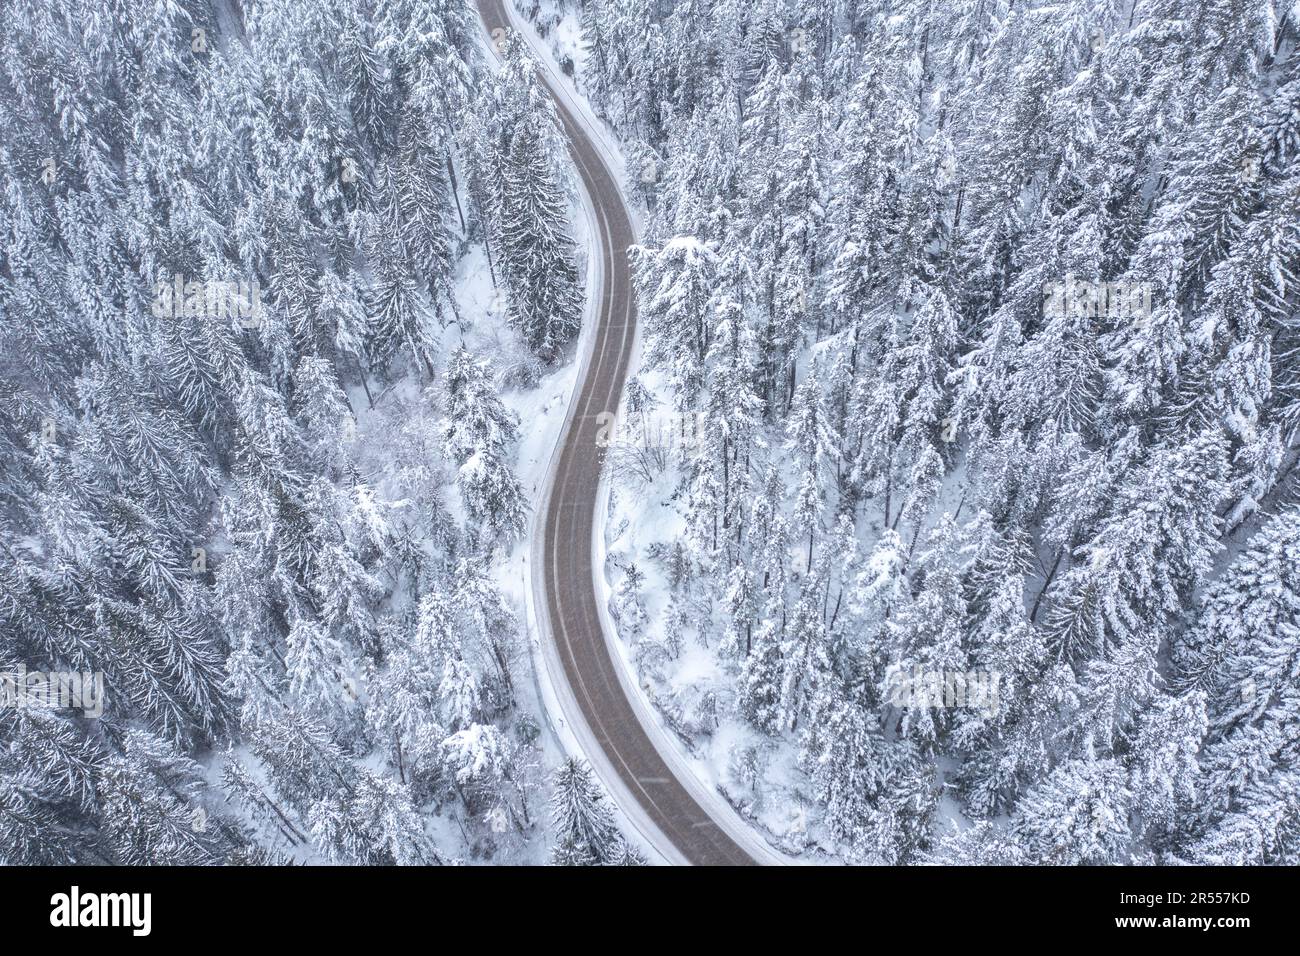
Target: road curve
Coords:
[(569, 522)]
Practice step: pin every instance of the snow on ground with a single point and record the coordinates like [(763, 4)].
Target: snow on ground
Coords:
[(559, 31), (540, 398), (565, 39), (692, 693), (541, 409)]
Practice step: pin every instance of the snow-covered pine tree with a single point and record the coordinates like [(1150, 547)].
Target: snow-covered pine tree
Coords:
[(478, 435), (1242, 652), (535, 251), (585, 832)]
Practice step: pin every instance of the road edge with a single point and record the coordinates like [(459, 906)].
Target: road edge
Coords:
[(723, 814), (573, 734)]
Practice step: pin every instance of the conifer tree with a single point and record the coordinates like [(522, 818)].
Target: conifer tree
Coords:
[(584, 825)]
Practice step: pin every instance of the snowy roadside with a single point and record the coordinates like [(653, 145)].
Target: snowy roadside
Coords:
[(776, 810), (696, 774), (775, 815), (543, 411)]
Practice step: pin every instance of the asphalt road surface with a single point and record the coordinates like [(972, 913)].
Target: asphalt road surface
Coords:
[(570, 599)]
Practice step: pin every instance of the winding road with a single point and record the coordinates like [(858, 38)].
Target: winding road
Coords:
[(564, 566)]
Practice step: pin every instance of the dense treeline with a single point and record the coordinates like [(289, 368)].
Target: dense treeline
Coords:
[(918, 456), (233, 410)]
